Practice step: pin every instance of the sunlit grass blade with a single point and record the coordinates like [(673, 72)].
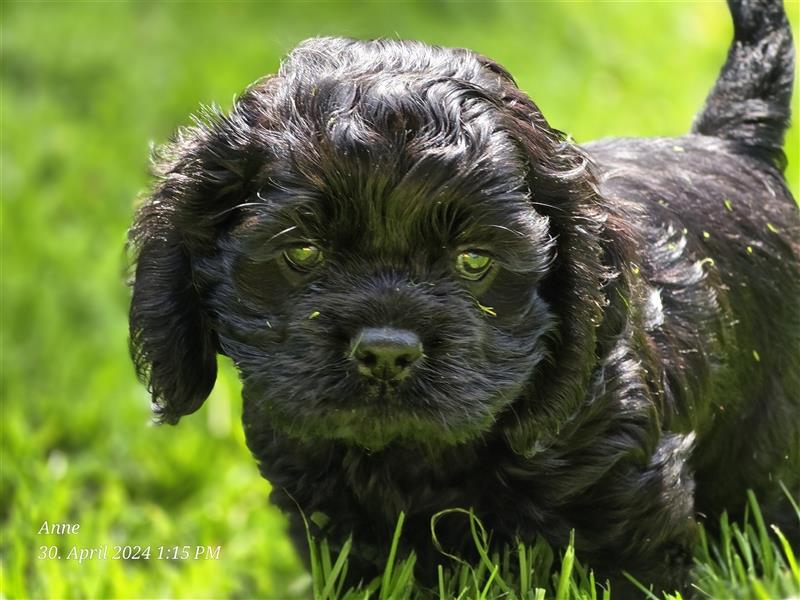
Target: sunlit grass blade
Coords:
[(648, 593), (390, 562), (788, 552), (481, 540), (764, 546), (524, 569), (335, 575), (566, 570)]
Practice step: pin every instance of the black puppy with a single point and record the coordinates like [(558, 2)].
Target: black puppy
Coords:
[(435, 300)]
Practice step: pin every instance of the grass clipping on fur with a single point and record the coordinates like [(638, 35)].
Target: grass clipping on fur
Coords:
[(749, 560)]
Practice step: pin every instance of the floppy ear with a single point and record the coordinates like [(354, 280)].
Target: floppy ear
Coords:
[(171, 343), (563, 188), (202, 174)]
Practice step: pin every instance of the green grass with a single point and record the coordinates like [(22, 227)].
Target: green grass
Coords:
[(747, 561), (86, 87)]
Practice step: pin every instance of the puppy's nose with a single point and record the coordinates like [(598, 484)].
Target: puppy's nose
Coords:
[(385, 353)]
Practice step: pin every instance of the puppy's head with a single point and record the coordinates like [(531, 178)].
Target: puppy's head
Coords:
[(369, 236)]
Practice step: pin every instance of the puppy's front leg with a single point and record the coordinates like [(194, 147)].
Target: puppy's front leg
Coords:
[(644, 517)]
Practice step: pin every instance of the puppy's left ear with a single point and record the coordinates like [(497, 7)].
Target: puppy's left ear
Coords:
[(564, 189)]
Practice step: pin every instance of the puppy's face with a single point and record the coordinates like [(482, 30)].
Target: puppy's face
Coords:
[(399, 303), (366, 247)]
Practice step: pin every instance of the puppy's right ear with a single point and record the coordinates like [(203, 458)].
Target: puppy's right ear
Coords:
[(171, 343), (202, 176)]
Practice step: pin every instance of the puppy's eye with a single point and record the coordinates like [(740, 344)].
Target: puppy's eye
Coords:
[(302, 257), (473, 265)]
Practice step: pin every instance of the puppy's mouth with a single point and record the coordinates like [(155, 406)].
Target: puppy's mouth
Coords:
[(375, 414), (384, 393), (381, 423)]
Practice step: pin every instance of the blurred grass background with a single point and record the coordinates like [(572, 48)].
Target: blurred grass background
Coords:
[(86, 87)]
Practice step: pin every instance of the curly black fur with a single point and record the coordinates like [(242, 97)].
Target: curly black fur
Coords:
[(629, 364)]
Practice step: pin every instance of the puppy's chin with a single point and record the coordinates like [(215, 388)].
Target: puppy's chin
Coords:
[(381, 418), (376, 429)]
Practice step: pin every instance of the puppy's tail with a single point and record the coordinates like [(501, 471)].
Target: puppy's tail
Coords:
[(750, 102)]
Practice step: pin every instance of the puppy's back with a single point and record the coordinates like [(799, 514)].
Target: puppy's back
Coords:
[(716, 236)]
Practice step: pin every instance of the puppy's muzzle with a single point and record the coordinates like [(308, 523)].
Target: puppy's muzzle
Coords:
[(386, 354)]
